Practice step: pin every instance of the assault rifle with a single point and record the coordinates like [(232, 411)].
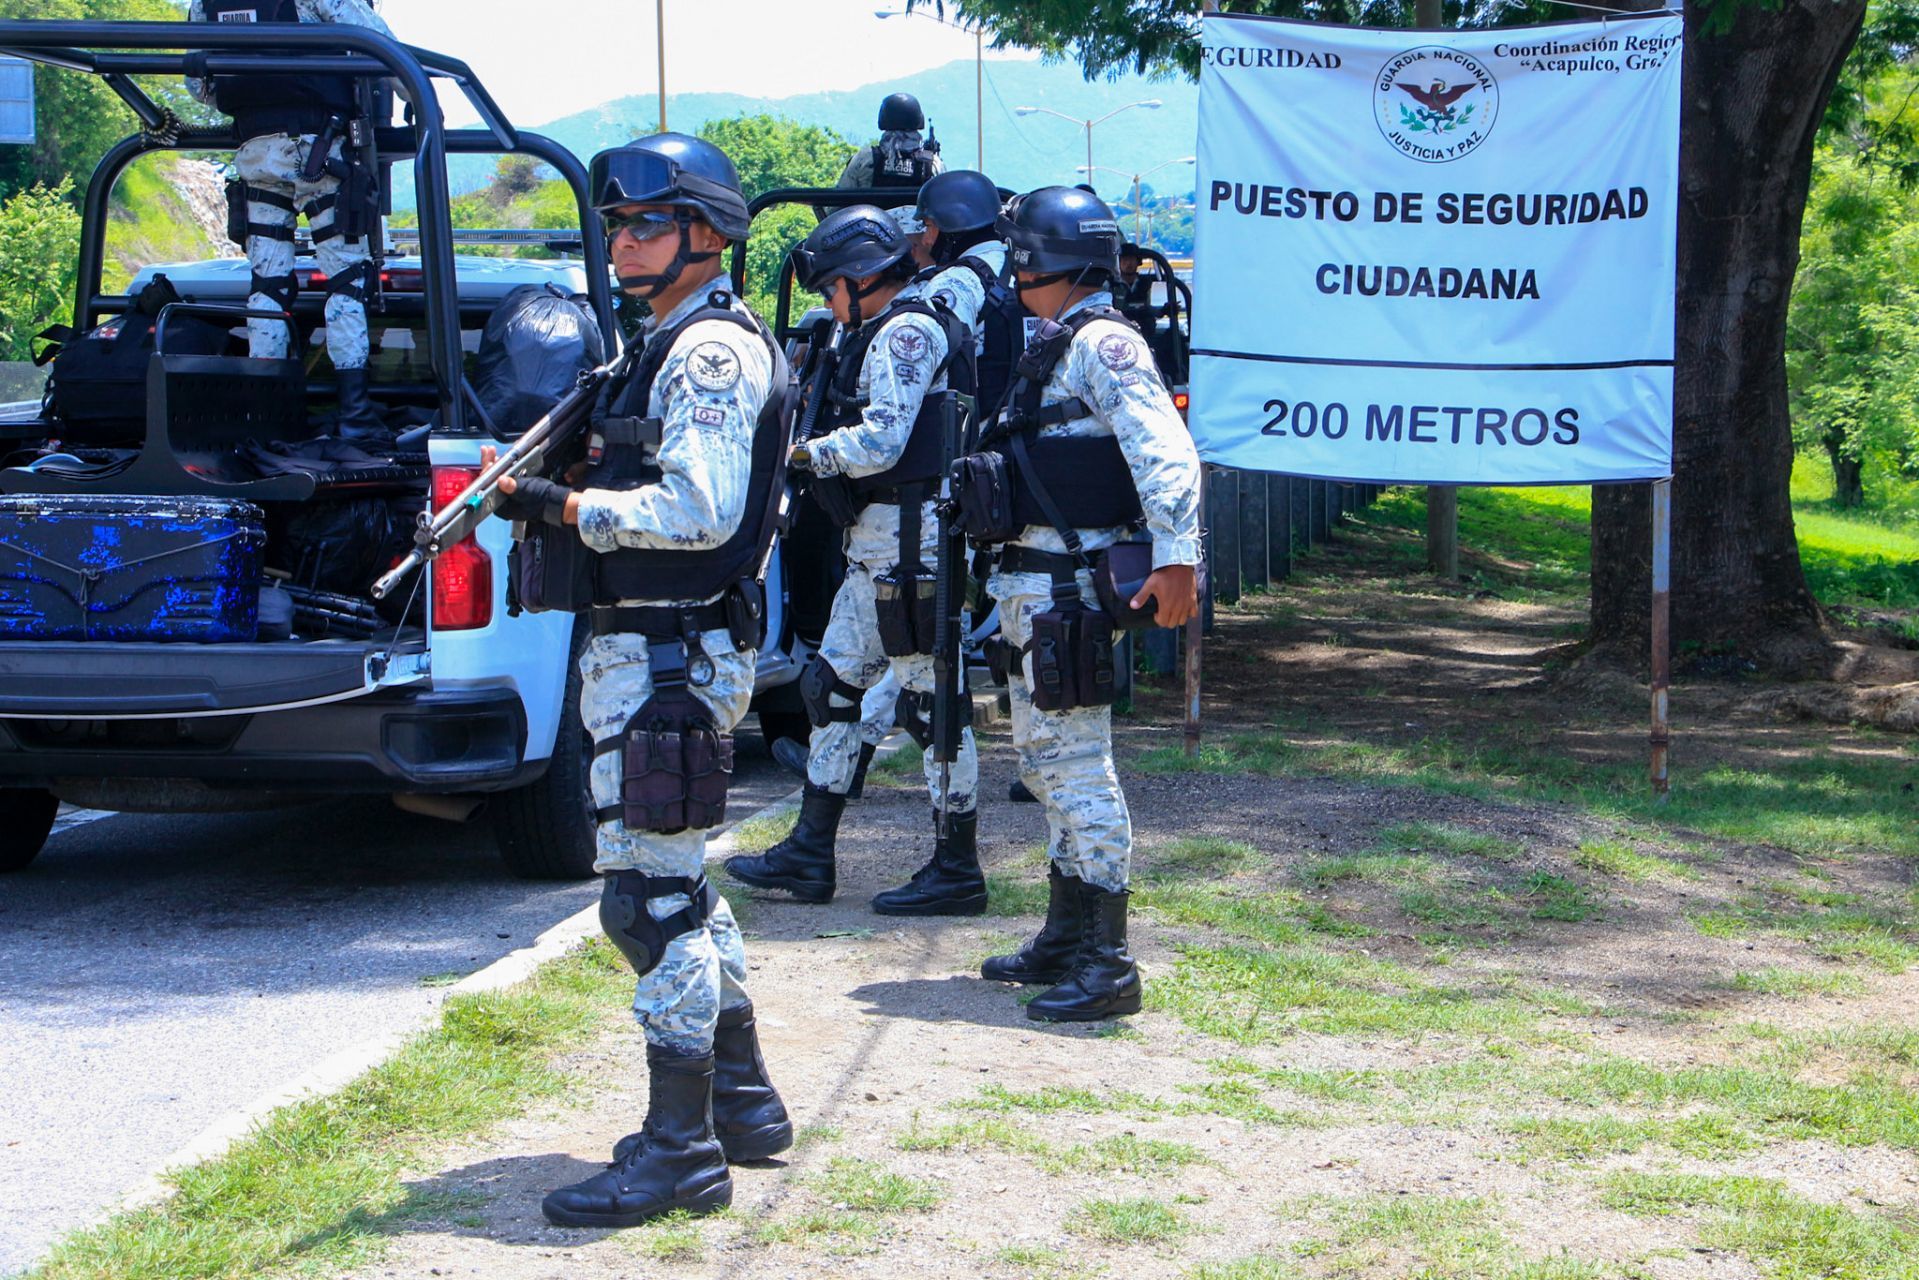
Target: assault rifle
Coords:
[(821, 348), (527, 456), (951, 715)]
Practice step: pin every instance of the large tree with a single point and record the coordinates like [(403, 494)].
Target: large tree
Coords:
[(1758, 77)]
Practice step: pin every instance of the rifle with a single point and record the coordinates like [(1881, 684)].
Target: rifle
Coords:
[(822, 347), (527, 456), (948, 595)]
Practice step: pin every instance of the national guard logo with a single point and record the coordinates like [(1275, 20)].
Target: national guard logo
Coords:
[(1435, 104), (713, 366), (908, 344), (1118, 352)]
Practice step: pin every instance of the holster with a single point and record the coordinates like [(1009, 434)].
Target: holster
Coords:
[(1072, 657), (357, 207), (1002, 657), (237, 211), (913, 712), (983, 485), (837, 499), (745, 603), (552, 571), (675, 764)]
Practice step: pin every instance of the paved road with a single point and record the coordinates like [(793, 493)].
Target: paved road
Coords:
[(157, 973)]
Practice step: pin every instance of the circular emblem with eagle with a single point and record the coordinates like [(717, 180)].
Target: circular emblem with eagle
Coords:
[(1435, 104), (713, 366)]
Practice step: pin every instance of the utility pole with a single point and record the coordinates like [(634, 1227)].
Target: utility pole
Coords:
[(659, 25), (1442, 501)]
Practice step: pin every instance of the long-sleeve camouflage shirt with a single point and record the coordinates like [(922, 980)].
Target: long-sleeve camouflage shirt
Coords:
[(958, 289), (707, 396), (352, 13), (896, 376)]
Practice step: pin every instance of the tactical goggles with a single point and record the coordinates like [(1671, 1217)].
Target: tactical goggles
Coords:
[(646, 224)]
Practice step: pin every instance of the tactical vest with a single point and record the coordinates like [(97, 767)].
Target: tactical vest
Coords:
[(623, 454), (269, 104), (1087, 477), (919, 462), (902, 169)]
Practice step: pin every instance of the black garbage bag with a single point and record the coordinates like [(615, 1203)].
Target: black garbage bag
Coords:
[(341, 545), (536, 344)]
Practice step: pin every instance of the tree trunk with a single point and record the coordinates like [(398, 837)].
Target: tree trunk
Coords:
[(1752, 100), (1848, 480)]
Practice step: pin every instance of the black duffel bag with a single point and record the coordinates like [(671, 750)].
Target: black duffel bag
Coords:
[(98, 389)]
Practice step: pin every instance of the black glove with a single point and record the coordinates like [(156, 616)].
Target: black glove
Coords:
[(535, 498)]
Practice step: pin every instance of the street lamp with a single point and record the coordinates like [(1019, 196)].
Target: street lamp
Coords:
[(1150, 104), (1137, 178), (979, 72), (659, 20)]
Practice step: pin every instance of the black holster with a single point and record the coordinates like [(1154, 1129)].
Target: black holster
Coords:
[(237, 211), (675, 764), (552, 570), (356, 210), (1072, 655), (837, 499)]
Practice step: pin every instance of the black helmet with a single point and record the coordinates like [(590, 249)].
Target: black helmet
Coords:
[(960, 200), (900, 113), (672, 169), (853, 242), (1062, 231)]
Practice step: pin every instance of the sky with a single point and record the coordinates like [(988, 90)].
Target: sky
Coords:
[(592, 51)]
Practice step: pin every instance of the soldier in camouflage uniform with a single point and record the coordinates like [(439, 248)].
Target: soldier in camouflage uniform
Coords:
[(281, 117), (901, 158), (859, 261), (696, 420), (1065, 246)]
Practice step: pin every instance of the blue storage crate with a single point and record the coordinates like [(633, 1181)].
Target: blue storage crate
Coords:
[(129, 568)]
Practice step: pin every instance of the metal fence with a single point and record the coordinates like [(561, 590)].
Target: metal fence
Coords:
[(1257, 523)]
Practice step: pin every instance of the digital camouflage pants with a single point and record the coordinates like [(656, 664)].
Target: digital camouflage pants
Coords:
[(271, 166)]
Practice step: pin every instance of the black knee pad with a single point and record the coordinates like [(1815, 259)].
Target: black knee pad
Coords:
[(629, 926), (818, 683)]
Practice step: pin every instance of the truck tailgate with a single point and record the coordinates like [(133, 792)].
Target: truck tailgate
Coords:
[(94, 680)]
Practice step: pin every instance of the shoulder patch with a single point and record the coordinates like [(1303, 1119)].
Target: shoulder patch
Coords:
[(709, 416), (907, 343), (713, 366), (1118, 352)]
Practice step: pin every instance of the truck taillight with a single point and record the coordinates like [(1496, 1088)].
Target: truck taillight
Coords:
[(1181, 401), (463, 573)]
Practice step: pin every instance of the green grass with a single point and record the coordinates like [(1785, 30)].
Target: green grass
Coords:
[(900, 766), (1451, 1236), (1035, 1262), (1793, 1238), (986, 1133), (1259, 1268), (674, 1238), (318, 1185), (757, 835), (1138, 1221), (149, 223), (1619, 859), (834, 1229), (1552, 897), (1125, 1153), (1708, 1135), (1016, 896), (1201, 856), (1454, 841), (1884, 934), (1851, 556), (1774, 981), (864, 1187)]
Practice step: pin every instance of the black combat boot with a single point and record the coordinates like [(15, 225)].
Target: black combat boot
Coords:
[(794, 756), (748, 1115), (801, 864), (677, 1164), (1020, 793), (1048, 958), (1104, 982), (357, 418), (949, 885)]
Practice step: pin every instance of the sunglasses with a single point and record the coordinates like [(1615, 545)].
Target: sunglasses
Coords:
[(647, 224), (830, 290)]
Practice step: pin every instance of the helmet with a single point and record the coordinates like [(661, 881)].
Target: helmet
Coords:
[(672, 169), (900, 113), (960, 200), (1062, 230), (853, 242)]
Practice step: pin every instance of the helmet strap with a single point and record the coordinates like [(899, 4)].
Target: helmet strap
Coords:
[(650, 287)]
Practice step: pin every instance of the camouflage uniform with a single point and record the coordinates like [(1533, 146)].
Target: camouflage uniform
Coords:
[(895, 144), (895, 378), (709, 417), (959, 290), (272, 164), (1066, 758)]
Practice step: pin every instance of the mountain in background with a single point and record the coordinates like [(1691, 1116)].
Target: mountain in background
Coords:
[(1022, 152)]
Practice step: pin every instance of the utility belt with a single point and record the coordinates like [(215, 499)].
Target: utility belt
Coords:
[(661, 621), (676, 763), (355, 205), (551, 570)]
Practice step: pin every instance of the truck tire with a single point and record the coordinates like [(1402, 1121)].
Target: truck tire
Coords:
[(26, 819), (545, 829)]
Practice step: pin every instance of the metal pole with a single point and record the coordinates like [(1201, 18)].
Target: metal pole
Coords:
[(1442, 501), (1661, 631), (659, 17), (1195, 645), (1136, 211), (1089, 155), (979, 93)]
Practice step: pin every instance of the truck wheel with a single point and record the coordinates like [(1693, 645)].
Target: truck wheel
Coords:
[(26, 818), (545, 829)]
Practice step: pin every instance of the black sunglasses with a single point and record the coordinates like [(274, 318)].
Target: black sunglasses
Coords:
[(643, 225)]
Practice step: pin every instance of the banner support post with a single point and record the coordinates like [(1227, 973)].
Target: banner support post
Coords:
[(1661, 632)]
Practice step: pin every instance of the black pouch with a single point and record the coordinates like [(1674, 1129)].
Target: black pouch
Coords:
[(836, 498), (675, 766), (1053, 647), (1119, 571), (907, 606), (1002, 658), (237, 211), (983, 483), (745, 603), (1095, 679), (552, 570)]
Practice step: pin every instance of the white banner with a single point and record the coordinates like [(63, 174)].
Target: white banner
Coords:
[(1439, 257)]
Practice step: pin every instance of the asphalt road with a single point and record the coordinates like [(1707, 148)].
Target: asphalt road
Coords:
[(157, 973)]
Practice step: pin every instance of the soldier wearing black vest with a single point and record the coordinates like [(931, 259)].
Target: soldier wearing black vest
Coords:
[(964, 268), (901, 159), (876, 471), (283, 119), (684, 453)]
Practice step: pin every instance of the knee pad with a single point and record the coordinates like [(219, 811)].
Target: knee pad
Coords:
[(353, 282), (818, 683), (631, 928)]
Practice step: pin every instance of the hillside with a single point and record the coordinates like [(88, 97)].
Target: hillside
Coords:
[(1021, 152)]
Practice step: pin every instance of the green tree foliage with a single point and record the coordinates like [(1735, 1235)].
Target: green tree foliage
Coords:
[(77, 116), (39, 244), (770, 153)]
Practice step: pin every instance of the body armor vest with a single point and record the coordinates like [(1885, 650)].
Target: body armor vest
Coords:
[(919, 462), (902, 169), (623, 452), (268, 104)]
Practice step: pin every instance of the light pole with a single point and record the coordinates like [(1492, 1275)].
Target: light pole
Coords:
[(1137, 180), (1150, 104), (979, 73), (659, 19)]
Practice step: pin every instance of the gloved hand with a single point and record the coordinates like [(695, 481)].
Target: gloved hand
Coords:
[(800, 459), (534, 498)]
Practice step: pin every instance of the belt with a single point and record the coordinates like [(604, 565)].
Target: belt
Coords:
[(660, 621), (1018, 559)]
